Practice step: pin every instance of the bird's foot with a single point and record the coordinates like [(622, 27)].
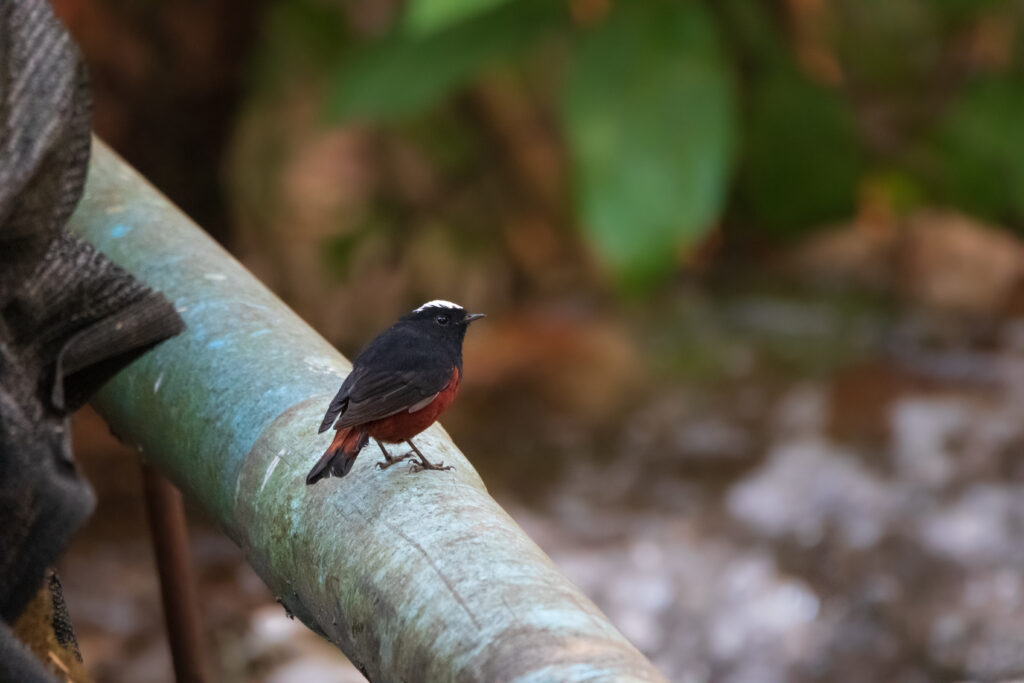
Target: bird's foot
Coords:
[(388, 461), (420, 465)]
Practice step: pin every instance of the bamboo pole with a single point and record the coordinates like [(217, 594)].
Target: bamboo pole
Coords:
[(416, 577)]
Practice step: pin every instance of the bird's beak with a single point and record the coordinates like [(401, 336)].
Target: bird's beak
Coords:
[(471, 318)]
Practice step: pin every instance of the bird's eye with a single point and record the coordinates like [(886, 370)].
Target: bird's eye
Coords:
[(442, 318)]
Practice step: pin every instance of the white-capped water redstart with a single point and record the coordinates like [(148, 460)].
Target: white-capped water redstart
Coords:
[(400, 383)]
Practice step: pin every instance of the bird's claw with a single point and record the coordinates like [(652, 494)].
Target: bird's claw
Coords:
[(416, 466), (384, 464)]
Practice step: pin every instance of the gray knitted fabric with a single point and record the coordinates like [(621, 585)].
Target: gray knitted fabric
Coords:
[(69, 318)]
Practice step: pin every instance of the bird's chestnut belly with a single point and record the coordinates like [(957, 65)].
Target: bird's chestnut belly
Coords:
[(403, 426)]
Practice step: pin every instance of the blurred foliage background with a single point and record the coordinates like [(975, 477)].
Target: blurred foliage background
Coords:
[(537, 147), (754, 363), (627, 136)]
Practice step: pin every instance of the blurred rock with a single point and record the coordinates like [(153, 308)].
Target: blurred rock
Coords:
[(809, 488), (979, 630), (759, 609), (922, 432), (585, 364), (996, 654), (288, 652), (694, 604), (939, 260), (682, 428), (984, 527), (319, 670), (801, 412), (854, 254), (715, 437), (952, 263)]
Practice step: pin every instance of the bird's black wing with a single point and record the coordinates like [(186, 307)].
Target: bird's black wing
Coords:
[(399, 370), (340, 401), (377, 395)]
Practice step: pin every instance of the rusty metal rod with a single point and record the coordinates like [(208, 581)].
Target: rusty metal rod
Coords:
[(167, 528)]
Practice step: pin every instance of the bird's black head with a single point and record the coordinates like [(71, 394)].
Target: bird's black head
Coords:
[(441, 319)]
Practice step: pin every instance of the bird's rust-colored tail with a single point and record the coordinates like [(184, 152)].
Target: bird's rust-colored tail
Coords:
[(338, 458)]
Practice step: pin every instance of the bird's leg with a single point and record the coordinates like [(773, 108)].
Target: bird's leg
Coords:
[(425, 464), (389, 460)]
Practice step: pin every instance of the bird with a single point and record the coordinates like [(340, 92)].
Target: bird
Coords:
[(400, 383)]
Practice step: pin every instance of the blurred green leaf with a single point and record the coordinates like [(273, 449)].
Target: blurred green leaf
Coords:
[(749, 30), (426, 16), (900, 190), (400, 75), (299, 38), (649, 116), (959, 8), (886, 45), (981, 143), (802, 161)]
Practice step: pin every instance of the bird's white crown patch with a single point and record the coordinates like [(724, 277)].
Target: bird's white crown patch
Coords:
[(437, 303)]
